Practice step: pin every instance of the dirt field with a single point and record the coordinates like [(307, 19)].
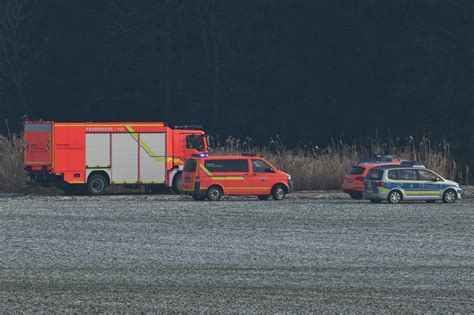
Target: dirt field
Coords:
[(168, 253)]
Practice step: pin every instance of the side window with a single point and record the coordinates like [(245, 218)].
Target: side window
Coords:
[(195, 142), (227, 165), (260, 166), (407, 175), (427, 175), (393, 175)]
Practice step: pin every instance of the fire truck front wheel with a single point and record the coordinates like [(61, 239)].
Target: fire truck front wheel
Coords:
[(96, 184), (177, 183)]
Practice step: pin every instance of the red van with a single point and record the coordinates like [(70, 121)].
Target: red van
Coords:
[(211, 177)]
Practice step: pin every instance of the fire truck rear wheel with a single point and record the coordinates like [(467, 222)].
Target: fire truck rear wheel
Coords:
[(96, 184), (177, 183)]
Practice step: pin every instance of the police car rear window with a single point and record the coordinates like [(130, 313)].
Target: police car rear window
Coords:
[(190, 165), (356, 170), (227, 165)]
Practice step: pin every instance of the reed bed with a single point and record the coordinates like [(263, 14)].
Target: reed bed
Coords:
[(12, 175), (315, 168), (312, 167)]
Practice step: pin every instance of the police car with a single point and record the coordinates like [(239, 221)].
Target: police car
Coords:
[(397, 183)]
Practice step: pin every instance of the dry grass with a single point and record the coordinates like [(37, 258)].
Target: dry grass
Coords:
[(314, 168), (12, 176), (311, 167)]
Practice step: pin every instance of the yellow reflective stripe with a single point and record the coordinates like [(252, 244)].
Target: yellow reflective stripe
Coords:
[(75, 182), (37, 162), (208, 173), (125, 182), (423, 192), (228, 178), (152, 182)]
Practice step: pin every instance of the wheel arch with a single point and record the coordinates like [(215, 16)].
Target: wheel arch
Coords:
[(218, 185), (100, 172), (282, 184)]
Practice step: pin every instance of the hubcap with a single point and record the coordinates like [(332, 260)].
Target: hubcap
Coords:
[(97, 185), (450, 196), (214, 193), (280, 193), (395, 197)]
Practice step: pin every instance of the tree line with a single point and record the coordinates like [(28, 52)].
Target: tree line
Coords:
[(305, 70)]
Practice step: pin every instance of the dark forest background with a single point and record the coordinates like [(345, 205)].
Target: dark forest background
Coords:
[(305, 70)]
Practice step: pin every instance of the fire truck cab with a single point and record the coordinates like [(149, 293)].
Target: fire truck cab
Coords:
[(95, 155)]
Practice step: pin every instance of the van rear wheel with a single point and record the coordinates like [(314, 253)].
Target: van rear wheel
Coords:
[(214, 193)]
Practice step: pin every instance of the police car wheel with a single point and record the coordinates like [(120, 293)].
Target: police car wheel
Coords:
[(214, 193), (263, 197), (449, 196), (279, 192), (96, 184), (395, 197)]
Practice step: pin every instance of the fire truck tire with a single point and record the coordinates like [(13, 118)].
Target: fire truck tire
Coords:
[(177, 183), (96, 184)]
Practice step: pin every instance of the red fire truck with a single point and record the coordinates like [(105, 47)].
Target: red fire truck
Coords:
[(95, 155)]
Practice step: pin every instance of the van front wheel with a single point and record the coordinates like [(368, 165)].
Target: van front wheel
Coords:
[(214, 193), (279, 192)]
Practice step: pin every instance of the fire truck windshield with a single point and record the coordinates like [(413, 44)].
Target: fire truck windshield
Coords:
[(195, 142)]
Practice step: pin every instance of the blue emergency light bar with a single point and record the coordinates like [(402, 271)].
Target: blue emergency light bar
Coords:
[(188, 127)]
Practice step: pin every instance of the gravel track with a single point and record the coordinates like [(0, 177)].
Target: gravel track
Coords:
[(167, 253)]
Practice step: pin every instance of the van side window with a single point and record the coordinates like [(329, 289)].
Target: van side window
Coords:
[(260, 167), (227, 165)]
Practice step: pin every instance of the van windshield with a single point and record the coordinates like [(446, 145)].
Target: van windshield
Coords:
[(190, 165)]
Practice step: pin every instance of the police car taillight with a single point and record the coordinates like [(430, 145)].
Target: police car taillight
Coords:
[(380, 184)]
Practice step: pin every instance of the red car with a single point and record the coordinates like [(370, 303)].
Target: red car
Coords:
[(354, 179)]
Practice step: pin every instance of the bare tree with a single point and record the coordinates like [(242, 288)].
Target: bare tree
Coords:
[(16, 49)]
